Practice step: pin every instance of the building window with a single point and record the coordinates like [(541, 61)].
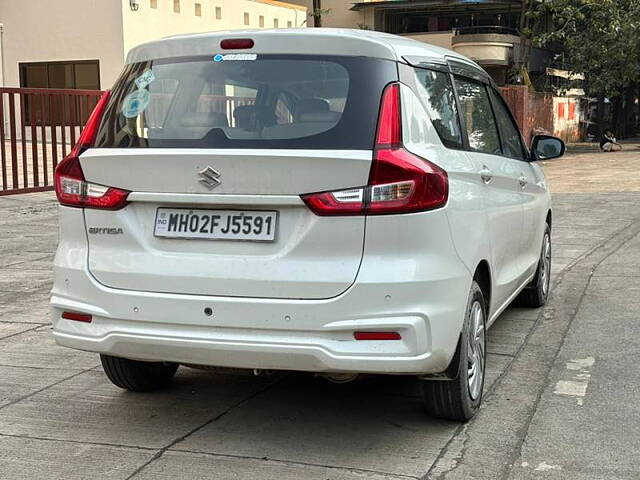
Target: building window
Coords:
[(289, 24), (153, 3), (176, 6), (261, 21), (198, 9), (77, 75), (572, 110), (81, 74), (275, 23), (218, 13), (246, 18)]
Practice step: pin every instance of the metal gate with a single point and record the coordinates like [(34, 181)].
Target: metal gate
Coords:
[(38, 127)]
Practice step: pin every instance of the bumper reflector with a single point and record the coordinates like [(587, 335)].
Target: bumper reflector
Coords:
[(78, 317), (377, 336)]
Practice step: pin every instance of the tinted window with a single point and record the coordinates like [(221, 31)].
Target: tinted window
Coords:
[(478, 116), (436, 91), (161, 97), (509, 133), (266, 102)]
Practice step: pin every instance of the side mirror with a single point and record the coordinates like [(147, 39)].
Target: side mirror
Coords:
[(545, 147)]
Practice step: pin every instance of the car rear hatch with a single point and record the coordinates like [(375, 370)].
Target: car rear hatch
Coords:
[(216, 151)]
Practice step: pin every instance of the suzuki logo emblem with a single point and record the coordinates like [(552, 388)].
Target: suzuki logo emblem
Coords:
[(210, 177)]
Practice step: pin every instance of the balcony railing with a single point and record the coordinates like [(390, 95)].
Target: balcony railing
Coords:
[(485, 29)]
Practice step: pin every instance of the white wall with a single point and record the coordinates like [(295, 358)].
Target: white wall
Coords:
[(148, 24), (1, 55), (566, 118), (105, 30), (53, 30), (440, 39)]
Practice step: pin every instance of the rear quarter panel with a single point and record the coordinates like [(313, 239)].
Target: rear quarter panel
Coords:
[(465, 207)]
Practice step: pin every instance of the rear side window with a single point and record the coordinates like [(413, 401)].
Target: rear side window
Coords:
[(478, 116), (436, 91), (250, 101), (509, 133)]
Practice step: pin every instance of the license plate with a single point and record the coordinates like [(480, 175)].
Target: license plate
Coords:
[(257, 226)]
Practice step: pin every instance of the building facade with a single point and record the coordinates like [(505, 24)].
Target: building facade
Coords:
[(483, 30), (82, 44)]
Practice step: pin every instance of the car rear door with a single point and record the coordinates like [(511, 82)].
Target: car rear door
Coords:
[(502, 193), (531, 181), (234, 143)]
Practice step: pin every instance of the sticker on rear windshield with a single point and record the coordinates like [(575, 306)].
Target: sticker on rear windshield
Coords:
[(145, 79), (235, 56), (135, 103)]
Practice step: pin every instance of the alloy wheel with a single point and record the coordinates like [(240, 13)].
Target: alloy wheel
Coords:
[(545, 264), (476, 351)]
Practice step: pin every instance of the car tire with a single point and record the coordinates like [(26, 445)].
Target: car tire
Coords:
[(537, 292), (459, 399), (137, 376)]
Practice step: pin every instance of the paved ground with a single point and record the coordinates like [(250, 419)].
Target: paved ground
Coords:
[(561, 392)]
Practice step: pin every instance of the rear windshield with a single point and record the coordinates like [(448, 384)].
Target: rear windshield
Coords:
[(247, 101)]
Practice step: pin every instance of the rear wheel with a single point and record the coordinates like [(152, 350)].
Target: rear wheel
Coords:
[(537, 292), (459, 399), (137, 376)]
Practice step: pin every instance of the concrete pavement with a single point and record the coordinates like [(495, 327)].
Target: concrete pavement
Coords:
[(529, 427), (61, 418), (587, 423)]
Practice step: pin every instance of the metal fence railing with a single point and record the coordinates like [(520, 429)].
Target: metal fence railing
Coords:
[(485, 29), (38, 127)]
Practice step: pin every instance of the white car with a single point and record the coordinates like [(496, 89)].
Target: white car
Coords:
[(330, 201)]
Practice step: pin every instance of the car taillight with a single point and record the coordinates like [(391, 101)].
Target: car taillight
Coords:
[(71, 187), (399, 181)]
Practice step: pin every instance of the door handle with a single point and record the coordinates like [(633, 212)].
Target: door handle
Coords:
[(486, 174), (523, 181)]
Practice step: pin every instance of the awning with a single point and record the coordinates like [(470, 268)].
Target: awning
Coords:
[(431, 3), (555, 72)]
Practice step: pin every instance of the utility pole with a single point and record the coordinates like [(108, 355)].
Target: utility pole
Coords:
[(317, 13)]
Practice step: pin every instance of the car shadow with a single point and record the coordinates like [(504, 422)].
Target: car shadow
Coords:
[(375, 423)]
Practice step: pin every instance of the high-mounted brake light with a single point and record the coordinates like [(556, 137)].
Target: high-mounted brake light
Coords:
[(71, 187), (236, 43), (399, 181)]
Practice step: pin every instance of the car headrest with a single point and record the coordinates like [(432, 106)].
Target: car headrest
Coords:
[(204, 119), (326, 117), (310, 105), (248, 116)]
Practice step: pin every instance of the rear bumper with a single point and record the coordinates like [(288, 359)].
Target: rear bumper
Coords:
[(421, 298), (239, 349), (312, 336)]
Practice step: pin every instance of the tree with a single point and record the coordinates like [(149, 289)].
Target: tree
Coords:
[(600, 40), (528, 22)]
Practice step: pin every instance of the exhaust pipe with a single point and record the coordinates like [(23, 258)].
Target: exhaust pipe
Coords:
[(257, 372), (340, 377)]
